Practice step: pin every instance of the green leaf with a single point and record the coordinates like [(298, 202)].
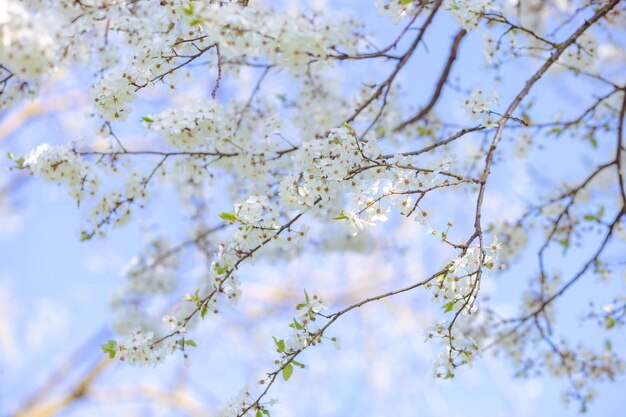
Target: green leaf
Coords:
[(555, 131), (266, 412), (280, 344), (203, 311), (590, 217), (296, 325), (422, 131), (188, 8), (19, 162), (110, 347), (221, 270), (448, 306), (609, 323), (406, 1), (230, 217), (287, 371), (147, 119), (607, 344), (594, 143), (306, 296), (190, 342), (341, 216), (301, 365), (259, 413)]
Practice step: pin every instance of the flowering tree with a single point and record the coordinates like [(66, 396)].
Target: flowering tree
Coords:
[(309, 158)]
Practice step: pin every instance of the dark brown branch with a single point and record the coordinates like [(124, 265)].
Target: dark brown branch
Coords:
[(442, 80)]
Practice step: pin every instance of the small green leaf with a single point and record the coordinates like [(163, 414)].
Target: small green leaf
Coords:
[(230, 217), (190, 342), (296, 363), (19, 162), (147, 119), (607, 344), (590, 217), (110, 347), (221, 270), (287, 371), (341, 216), (448, 306), (555, 131), (259, 413), (266, 412), (609, 323), (422, 131), (280, 344), (188, 8), (297, 325), (406, 1), (203, 311), (594, 143)]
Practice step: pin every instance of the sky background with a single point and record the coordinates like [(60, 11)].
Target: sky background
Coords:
[(55, 290)]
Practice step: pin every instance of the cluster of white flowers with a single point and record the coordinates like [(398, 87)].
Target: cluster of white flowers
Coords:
[(192, 127), (241, 402), (221, 279), (26, 47), (461, 350), (478, 106), (514, 238), (396, 9), (61, 164), (174, 326), (307, 311), (291, 42), (327, 163), (140, 347), (304, 329), (469, 12), (523, 144), (581, 54), (153, 274), (112, 96), (457, 287), (137, 349)]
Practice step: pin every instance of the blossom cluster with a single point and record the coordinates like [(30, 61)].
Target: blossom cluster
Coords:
[(63, 165)]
